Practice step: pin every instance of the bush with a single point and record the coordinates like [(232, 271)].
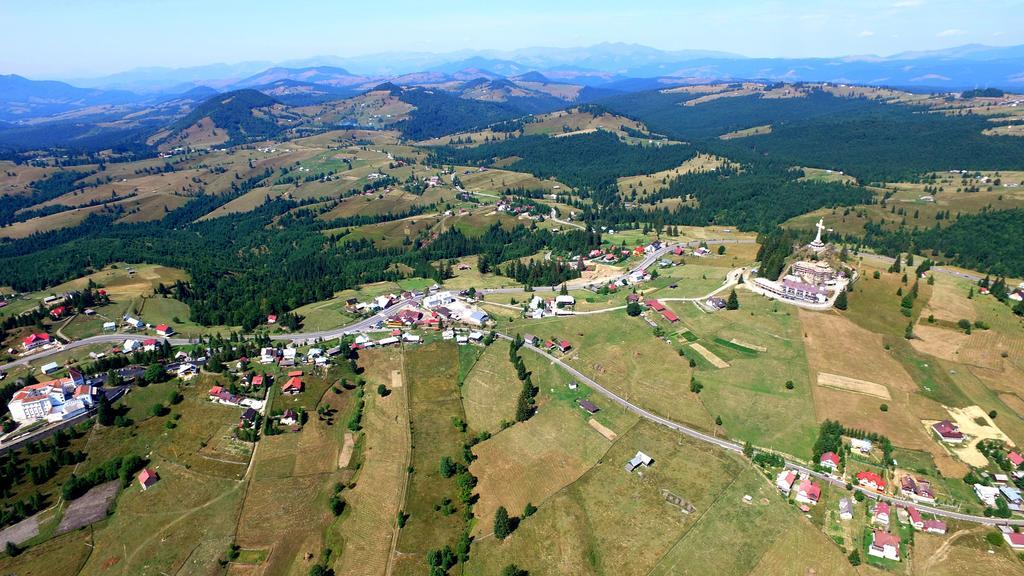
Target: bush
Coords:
[(884, 407), (529, 510), (854, 558), (513, 570), (995, 539), (158, 409), (790, 385)]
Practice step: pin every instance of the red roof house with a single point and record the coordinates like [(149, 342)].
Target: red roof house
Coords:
[(830, 460), (147, 478), (292, 386), (271, 318), (882, 513), (885, 545), (808, 492), (295, 373), (564, 346), (164, 330), (58, 312), (1015, 459), (257, 381), (669, 315), (935, 526), (655, 305), (1014, 539), (870, 480), (915, 518), (948, 432), (33, 341)]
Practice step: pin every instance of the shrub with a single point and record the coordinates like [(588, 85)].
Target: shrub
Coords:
[(502, 523), (884, 407), (995, 539)]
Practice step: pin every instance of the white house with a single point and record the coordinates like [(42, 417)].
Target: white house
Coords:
[(438, 299), (109, 326), (784, 481), (475, 317), (49, 368), (861, 445), (134, 323), (564, 300), (885, 545), (53, 400), (131, 345), (268, 355), (987, 494)]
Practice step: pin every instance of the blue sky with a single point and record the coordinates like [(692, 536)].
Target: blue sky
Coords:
[(61, 38)]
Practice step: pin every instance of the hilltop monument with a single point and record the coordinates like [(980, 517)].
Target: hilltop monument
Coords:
[(817, 245)]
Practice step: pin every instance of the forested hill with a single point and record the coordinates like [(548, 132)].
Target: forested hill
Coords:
[(871, 140), (591, 161), (991, 241), (236, 113), (243, 267), (439, 113)]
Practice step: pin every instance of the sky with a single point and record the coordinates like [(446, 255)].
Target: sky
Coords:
[(80, 39)]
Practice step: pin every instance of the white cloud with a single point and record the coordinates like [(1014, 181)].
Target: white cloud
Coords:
[(867, 34), (951, 32)]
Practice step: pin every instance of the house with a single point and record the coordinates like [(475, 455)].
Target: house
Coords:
[(187, 371), (784, 481), (808, 492), (49, 368), (935, 526), (438, 299), (58, 312), (164, 330), (1012, 495), (845, 509), (149, 344), (564, 300), (948, 432), (640, 459), (271, 318), (388, 341), (407, 317), (987, 494), (530, 339), (268, 355), (1014, 539), (290, 417), (861, 445), (412, 338), (33, 341), (881, 513), (292, 386), (1015, 459), (715, 303), (258, 381), (871, 481), (476, 335), (448, 334), (248, 418), (589, 406), (669, 315), (885, 545), (563, 346), (147, 478), (915, 518), (134, 323), (829, 460), (221, 396), (655, 305), (109, 326), (917, 489), (130, 346), (475, 318)]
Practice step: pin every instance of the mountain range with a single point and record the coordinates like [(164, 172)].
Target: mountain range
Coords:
[(599, 69)]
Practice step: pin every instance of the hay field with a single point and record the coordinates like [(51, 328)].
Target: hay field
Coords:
[(490, 391), (717, 530), (611, 521), (803, 550), (745, 132), (836, 345), (853, 385), (431, 378), (64, 555), (750, 395), (621, 354), (187, 518), (533, 460), (645, 184), (369, 527), (709, 356), (961, 552)]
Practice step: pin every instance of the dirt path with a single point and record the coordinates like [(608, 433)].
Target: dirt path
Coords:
[(709, 356), (939, 556), (346, 450)]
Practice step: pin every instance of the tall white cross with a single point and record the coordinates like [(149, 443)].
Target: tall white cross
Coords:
[(821, 227)]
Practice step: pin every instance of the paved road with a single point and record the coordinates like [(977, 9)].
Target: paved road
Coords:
[(734, 447)]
